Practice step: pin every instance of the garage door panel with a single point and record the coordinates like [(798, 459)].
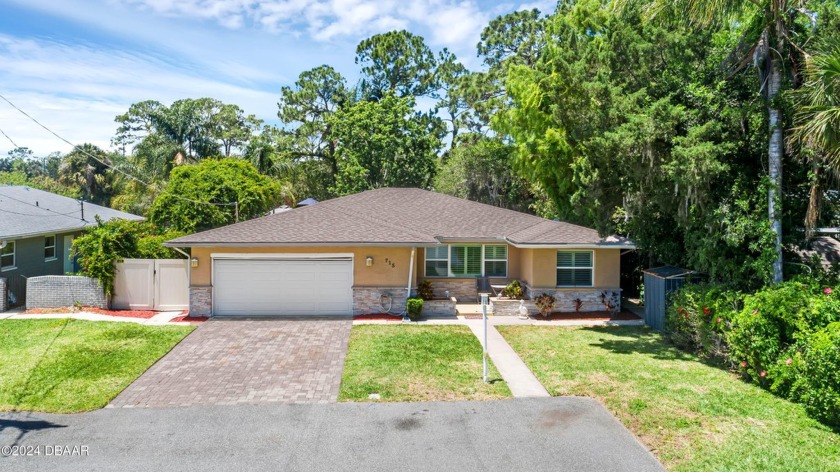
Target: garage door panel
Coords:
[(282, 287)]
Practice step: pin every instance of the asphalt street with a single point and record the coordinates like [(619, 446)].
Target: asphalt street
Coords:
[(556, 434)]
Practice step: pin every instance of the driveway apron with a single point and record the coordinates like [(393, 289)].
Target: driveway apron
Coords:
[(247, 361)]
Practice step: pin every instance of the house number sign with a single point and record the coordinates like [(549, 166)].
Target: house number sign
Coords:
[(390, 263)]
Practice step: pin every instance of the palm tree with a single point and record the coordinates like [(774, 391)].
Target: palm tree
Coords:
[(766, 44), (86, 167), (817, 125)]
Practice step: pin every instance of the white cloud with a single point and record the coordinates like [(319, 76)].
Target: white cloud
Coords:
[(77, 91), (448, 21)]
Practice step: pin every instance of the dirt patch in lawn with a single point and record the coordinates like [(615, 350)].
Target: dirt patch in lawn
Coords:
[(90, 309)]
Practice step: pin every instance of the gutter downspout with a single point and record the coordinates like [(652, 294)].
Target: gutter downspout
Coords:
[(410, 275)]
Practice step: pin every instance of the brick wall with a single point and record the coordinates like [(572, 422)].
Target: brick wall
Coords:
[(590, 298), (507, 307), (54, 291), (366, 299), (439, 307), (4, 296), (464, 290), (201, 301)]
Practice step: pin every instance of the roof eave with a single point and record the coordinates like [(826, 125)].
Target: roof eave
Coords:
[(572, 245), (174, 244), (51, 232)]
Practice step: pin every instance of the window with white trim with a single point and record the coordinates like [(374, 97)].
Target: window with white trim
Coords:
[(467, 260), (574, 268), (495, 261), (7, 256), (437, 261), (49, 248)]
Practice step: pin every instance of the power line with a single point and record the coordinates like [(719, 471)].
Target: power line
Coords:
[(10, 139), (30, 214), (38, 206), (106, 164)]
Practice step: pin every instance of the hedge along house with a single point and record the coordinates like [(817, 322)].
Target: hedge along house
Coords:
[(338, 257), (37, 229)]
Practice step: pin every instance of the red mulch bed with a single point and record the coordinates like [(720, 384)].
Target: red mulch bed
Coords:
[(190, 319), (89, 309), (590, 315), (378, 316)]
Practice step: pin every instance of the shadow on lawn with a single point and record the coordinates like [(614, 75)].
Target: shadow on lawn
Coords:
[(630, 340)]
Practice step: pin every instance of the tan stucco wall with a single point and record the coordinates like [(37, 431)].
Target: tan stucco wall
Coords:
[(539, 267), (608, 268), (536, 266), (380, 274)]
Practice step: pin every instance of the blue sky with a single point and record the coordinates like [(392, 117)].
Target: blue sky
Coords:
[(76, 64)]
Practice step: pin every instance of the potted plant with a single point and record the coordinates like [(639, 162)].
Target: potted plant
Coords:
[(424, 290), (514, 290)]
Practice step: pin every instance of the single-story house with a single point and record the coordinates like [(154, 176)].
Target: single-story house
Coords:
[(37, 229), (339, 256)]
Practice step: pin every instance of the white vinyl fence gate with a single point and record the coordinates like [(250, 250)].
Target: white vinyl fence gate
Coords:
[(152, 284)]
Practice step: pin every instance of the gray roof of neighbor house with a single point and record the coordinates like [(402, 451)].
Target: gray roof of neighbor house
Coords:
[(27, 212), (398, 216)]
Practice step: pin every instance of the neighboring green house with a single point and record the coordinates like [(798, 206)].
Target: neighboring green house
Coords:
[(37, 229)]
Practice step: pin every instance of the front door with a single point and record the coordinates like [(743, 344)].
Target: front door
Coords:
[(69, 260)]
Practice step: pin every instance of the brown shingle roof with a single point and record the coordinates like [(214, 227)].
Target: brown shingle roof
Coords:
[(402, 216)]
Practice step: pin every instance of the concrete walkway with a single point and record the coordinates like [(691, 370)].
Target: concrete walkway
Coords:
[(162, 318), (520, 379)]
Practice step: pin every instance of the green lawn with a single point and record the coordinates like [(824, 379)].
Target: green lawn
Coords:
[(692, 415), (67, 365), (416, 363)]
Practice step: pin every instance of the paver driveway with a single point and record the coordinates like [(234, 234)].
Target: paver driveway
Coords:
[(234, 361)]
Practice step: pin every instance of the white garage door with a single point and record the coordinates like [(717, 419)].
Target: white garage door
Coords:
[(282, 287)]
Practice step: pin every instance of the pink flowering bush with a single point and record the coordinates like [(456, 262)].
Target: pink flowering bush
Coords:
[(766, 326), (698, 316), (785, 338)]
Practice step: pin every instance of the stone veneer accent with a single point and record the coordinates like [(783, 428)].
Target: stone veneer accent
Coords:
[(55, 291), (201, 300), (464, 290), (439, 307), (4, 296), (591, 298), (508, 307), (366, 299)]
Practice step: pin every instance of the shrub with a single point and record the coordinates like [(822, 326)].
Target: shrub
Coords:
[(413, 307), (109, 242), (766, 327), (784, 337), (514, 290), (545, 303), (817, 375), (424, 290), (698, 317)]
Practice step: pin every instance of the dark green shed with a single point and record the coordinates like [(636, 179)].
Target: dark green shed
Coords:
[(660, 282)]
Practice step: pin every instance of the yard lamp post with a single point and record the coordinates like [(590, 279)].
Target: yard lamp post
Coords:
[(484, 299)]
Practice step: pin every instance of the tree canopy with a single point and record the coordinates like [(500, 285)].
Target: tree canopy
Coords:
[(214, 193)]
